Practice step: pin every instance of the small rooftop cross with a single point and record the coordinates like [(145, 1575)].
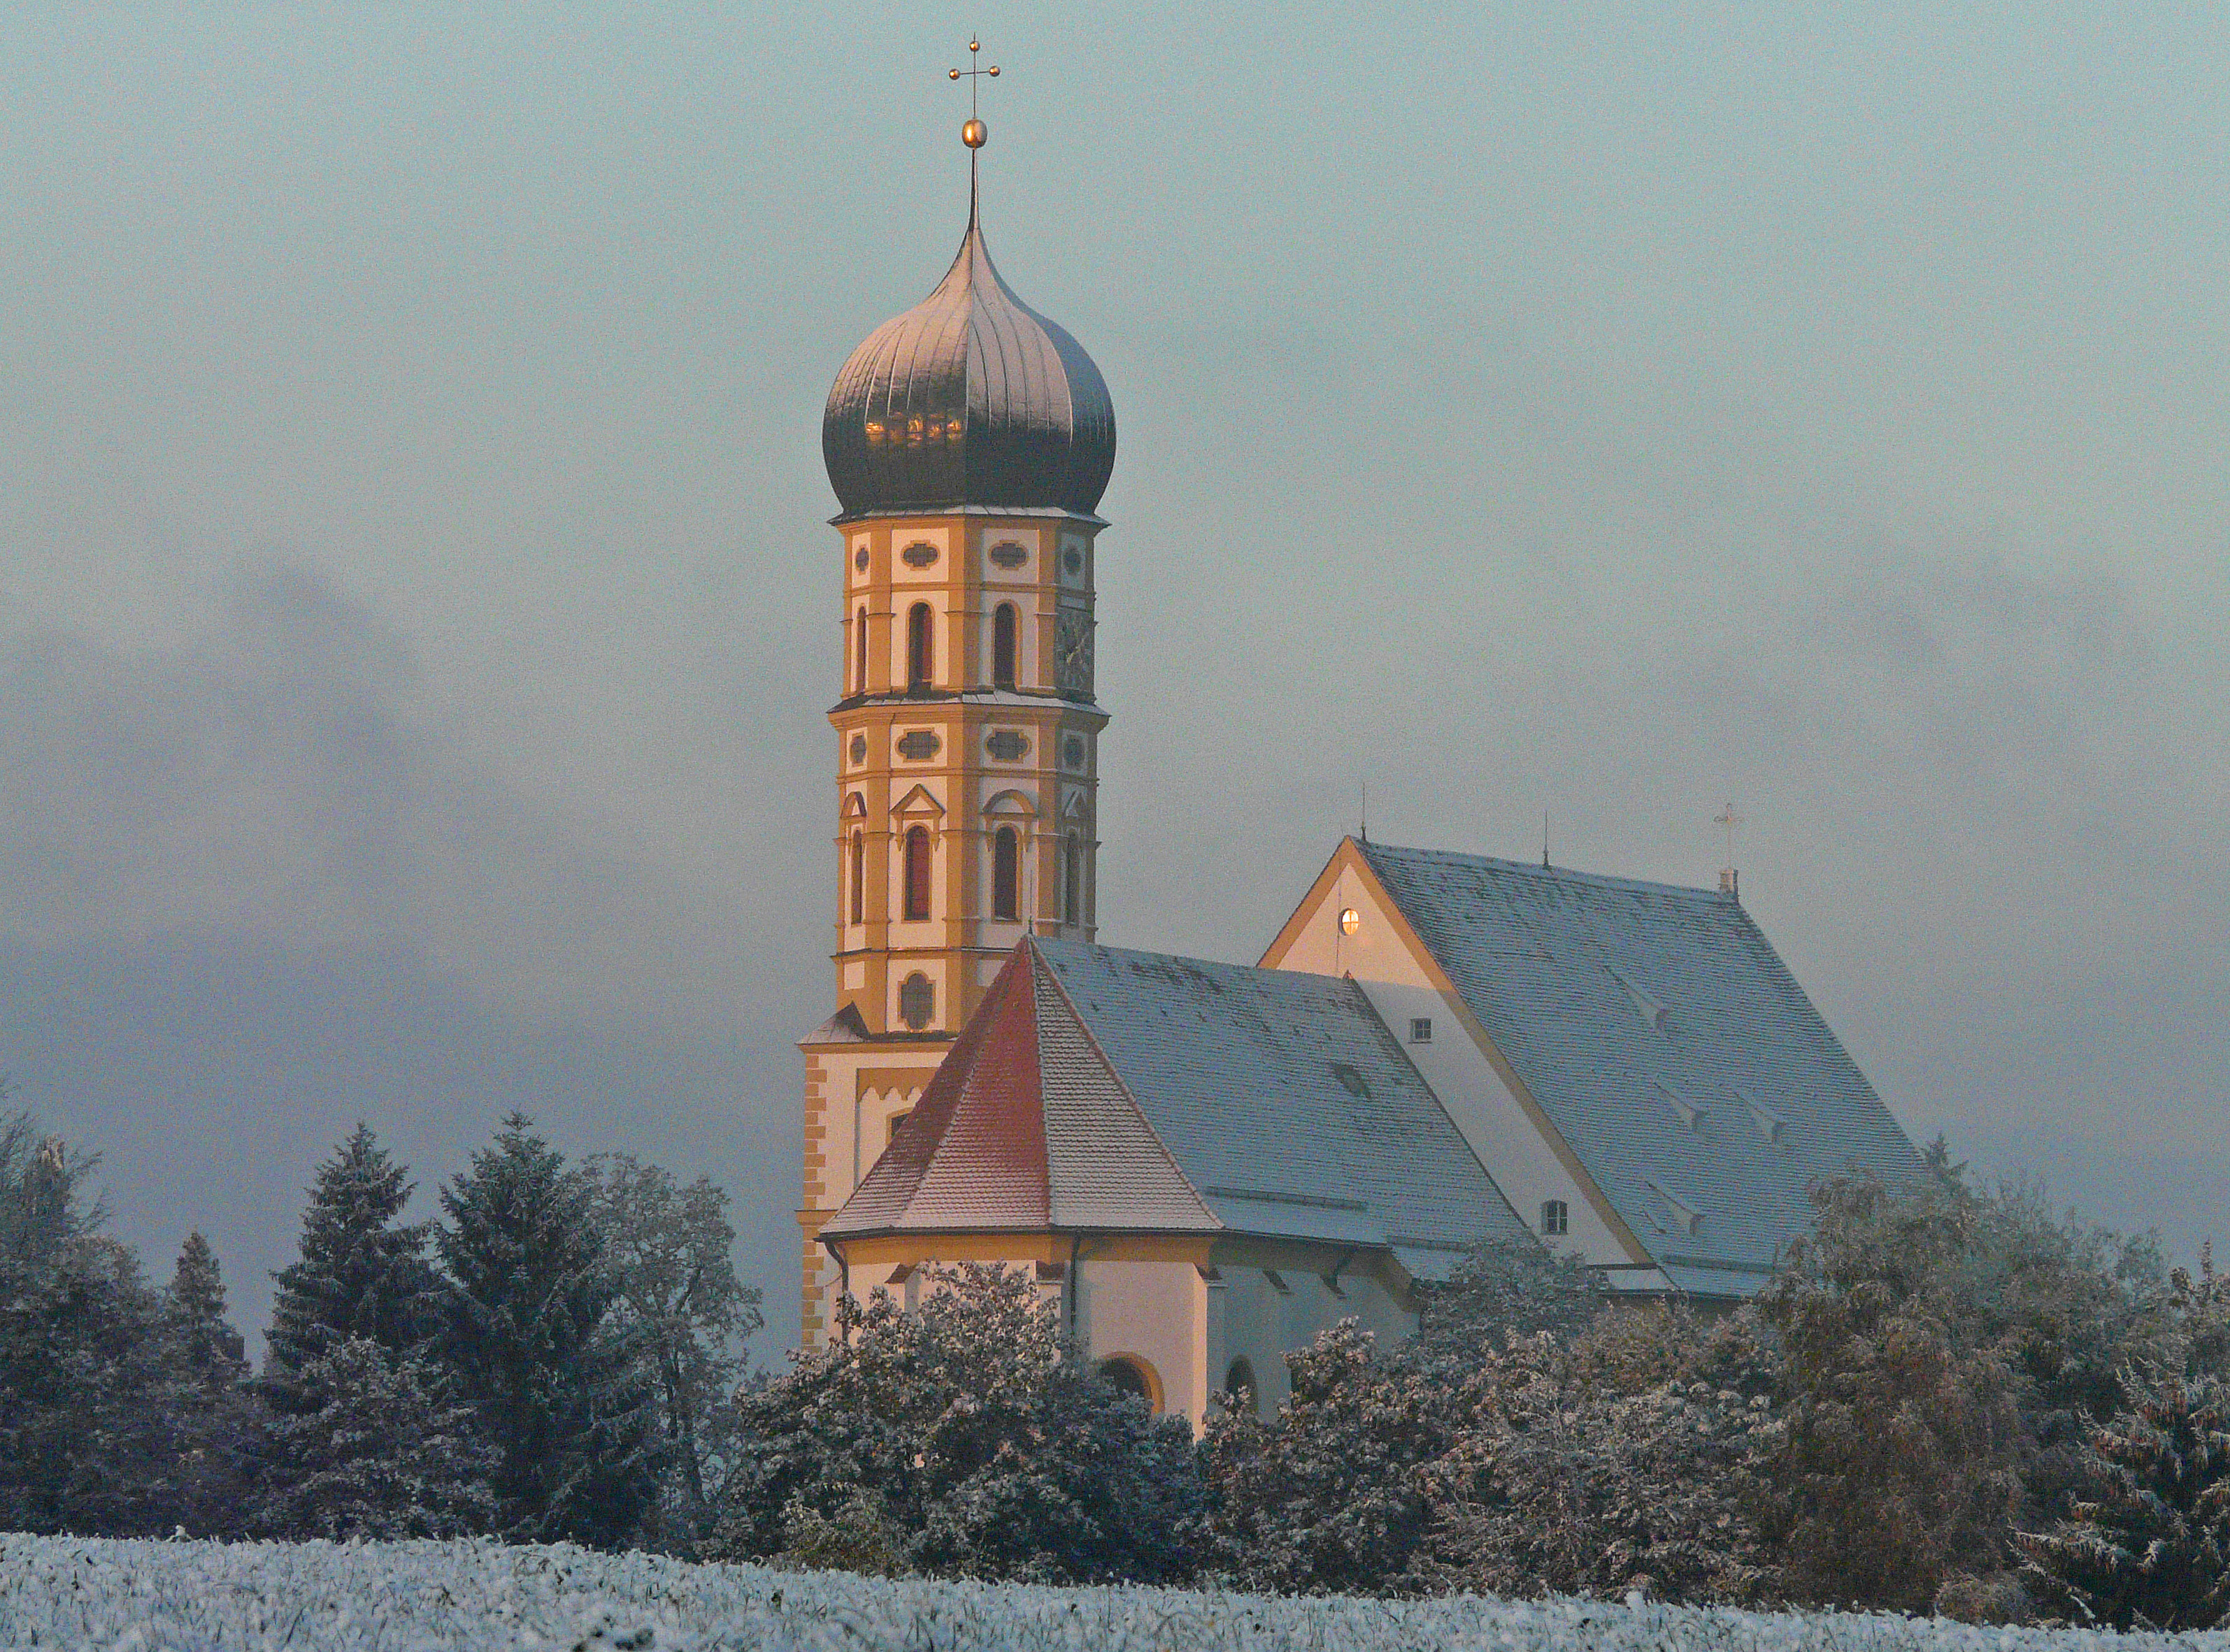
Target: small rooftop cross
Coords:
[(1731, 820), (974, 132)]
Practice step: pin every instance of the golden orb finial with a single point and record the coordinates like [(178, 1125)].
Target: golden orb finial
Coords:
[(973, 133)]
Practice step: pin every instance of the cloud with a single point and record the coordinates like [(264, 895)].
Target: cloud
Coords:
[(274, 777), (249, 893)]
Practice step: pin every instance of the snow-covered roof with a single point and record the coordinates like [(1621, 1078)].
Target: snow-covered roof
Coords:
[(1666, 1041), (1100, 1089)]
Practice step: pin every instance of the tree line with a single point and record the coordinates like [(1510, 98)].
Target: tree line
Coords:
[(1948, 1399), (555, 1358)]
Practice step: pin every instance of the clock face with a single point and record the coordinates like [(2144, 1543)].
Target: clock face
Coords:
[(1073, 651)]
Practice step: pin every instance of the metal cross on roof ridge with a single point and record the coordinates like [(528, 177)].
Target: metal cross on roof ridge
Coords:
[(1730, 819)]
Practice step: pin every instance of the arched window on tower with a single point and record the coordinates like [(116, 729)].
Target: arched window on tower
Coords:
[(1006, 873), (921, 657), (859, 650), (1071, 879), (916, 873), (859, 878), (1002, 646)]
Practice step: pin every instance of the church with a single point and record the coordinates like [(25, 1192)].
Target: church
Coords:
[(1202, 1164)]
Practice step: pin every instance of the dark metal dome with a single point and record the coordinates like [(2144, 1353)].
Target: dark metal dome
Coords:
[(970, 397)]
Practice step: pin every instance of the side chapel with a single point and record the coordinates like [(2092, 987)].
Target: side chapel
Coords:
[(1204, 1164)]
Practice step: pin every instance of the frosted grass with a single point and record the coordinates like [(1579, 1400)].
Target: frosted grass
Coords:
[(153, 1596)]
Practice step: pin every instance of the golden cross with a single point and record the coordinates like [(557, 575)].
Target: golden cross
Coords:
[(975, 131), (1730, 819)]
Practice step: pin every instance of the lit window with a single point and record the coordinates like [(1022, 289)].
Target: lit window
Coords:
[(1421, 1029), (1006, 873), (916, 874), (1349, 919), (1556, 1219)]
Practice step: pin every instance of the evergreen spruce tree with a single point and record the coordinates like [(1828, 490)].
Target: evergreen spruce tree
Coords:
[(204, 1342), (377, 1451), (2151, 1549), (213, 1424), (363, 1274), (553, 1376)]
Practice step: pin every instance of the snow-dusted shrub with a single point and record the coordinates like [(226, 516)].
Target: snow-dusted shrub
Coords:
[(2147, 1542), (1901, 1470), (1332, 1495), (1562, 1481), (960, 1439), (1625, 1456), (1504, 1289)]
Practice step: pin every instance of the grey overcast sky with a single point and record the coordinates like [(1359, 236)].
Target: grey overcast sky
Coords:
[(416, 610)]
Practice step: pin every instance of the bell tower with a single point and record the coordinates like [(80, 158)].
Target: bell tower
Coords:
[(969, 441)]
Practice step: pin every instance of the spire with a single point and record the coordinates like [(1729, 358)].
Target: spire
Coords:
[(973, 131)]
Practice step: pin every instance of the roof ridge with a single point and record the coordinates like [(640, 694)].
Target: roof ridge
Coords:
[(1375, 850)]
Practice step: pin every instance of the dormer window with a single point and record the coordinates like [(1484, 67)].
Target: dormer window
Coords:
[(1421, 1029), (1556, 1218)]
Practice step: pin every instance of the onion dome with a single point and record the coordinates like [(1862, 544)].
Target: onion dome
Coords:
[(969, 398)]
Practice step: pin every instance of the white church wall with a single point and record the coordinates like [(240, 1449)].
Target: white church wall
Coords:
[(1517, 1157), (1149, 1311), (1270, 1312)]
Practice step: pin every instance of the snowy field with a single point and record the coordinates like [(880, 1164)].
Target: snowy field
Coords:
[(145, 1597)]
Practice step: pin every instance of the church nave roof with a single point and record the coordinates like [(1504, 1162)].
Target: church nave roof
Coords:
[(1100, 1089)]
